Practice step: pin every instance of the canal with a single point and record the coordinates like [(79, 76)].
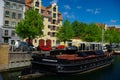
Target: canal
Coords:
[(111, 72)]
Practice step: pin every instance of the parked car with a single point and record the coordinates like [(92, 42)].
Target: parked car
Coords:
[(44, 48), (60, 47), (24, 46)]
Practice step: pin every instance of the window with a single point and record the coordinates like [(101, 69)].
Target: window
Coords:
[(54, 8), (42, 11), (7, 5), (13, 33), (5, 40), (14, 15), (49, 19), (13, 24), (49, 26), (53, 34), (49, 13), (54, 15), (6, 33), (19, 16), (12, 42), (48, 33), (14, 6), (20, 7), (6, 23), (7, 13), (35, 41), (54, 21), (37, 4), (53, 28)]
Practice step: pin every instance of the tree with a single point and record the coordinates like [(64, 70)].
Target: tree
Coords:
[(92, 33), (78, 28), (31, 26), (112, 35), (65, 32)]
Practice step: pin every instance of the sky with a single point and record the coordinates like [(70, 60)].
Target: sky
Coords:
[(89, 11)]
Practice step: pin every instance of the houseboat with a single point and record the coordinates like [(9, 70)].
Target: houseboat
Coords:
[(73, 59)]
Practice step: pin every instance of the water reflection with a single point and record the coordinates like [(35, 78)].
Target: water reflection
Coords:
[(10, 75), (101, 74), (108, 73)]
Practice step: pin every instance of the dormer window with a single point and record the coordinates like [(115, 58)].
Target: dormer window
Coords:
[(37, 4)]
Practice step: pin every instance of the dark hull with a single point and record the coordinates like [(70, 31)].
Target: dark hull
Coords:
[(53, 65)]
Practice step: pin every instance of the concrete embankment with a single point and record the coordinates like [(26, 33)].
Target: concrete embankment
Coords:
[(13, 60)]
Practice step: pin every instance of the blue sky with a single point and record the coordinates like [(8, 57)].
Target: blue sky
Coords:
[(88, 11)]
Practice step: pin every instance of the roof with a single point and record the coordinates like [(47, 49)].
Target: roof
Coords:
[(118, 29)]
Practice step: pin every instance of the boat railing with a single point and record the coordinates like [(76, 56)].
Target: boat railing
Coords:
[(87, 46)]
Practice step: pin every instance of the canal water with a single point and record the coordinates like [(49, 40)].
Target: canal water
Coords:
[(111, 72)]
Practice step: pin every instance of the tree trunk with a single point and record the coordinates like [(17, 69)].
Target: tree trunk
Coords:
[(64, 42), (29, 43)]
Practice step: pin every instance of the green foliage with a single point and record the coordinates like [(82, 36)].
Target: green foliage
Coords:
[(92, 33), (31, 26), (78, 28), (65, 32), (112, 35)]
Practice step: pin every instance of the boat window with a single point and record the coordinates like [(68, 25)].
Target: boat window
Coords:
[(99, 52), (83, 54)]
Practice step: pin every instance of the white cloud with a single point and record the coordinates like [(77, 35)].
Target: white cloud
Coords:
[(65, 13), (70, 16), (67, 7), (113, 21), (97, 11), (93, 11), (90, 10), (79, 7), (54, 1)]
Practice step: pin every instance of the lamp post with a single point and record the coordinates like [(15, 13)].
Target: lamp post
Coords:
[(102, 38)]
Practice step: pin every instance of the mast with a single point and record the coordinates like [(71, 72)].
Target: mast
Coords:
[(103, 36)]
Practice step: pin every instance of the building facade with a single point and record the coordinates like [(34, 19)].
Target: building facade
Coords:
[(1, 18), (13, 11), (52, 19)]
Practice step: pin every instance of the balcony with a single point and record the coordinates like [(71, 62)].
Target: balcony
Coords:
[(6, 35)]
